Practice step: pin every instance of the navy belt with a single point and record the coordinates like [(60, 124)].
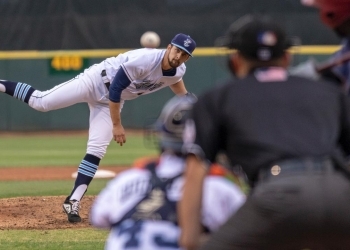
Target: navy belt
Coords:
[(105, 79), (297, 166)]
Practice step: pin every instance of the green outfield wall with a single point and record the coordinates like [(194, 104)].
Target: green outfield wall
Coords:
[(45, 69)]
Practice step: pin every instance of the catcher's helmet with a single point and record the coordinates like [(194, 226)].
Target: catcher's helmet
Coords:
[(171, 122)]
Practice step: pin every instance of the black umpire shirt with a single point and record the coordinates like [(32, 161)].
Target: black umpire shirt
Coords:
[(270, 116)]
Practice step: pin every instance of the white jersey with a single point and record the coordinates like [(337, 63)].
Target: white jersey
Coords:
[(221, 198), (143, 67)]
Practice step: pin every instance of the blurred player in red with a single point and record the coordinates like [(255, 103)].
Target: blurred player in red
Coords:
[(336, 15)]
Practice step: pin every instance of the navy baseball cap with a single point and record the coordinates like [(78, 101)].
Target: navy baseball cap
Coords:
[(256, 37), (184, 42)]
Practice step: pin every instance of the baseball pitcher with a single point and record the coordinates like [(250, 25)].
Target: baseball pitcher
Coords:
[(105, 87)]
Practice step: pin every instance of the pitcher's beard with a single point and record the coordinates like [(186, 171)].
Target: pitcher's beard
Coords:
[(174, 63)]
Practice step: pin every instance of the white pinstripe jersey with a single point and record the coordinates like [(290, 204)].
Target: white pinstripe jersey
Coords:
[(144, 70)]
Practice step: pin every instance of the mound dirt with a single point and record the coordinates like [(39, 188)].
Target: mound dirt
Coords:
[(40, 213), (44, 212)]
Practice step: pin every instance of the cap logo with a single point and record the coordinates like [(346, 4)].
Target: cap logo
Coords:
[(187, 42), (264, 54), (267, 38), (184, 42)]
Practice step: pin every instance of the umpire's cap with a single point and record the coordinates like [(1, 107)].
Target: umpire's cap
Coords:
[(256, 37), (171, 122)]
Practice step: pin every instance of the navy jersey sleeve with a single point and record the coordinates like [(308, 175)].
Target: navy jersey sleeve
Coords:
[(120, 82)]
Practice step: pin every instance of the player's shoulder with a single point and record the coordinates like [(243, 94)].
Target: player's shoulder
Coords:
[(221, 183), (216, 169), (139, 168), (146, 52), (142, 162), (219, 172)]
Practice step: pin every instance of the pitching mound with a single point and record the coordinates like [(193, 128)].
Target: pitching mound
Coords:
[(40, 213)]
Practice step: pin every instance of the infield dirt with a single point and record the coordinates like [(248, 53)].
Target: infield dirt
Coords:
[(44, 212)]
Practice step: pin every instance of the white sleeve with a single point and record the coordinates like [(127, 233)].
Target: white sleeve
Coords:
[(118, 197), (221, 198), (136, 66)]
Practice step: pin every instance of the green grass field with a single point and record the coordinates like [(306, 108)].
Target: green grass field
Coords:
[(79, 239), (67, 149)]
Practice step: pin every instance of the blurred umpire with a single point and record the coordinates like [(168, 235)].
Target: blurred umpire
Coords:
[(291, 137)]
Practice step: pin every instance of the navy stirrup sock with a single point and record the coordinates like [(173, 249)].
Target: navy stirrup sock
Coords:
[(19, 90), (86, 171)]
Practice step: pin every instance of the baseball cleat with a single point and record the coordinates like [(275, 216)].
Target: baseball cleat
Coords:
[(71, 208)]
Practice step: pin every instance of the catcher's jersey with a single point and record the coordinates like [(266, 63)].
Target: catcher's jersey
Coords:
[(144, 70), (221, 199)]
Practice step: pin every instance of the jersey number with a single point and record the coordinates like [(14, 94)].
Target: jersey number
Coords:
[(147, 235)]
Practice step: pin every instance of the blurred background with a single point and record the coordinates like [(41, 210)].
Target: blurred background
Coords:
[(44, 43)]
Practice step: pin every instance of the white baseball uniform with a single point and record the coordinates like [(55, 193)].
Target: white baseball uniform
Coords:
[(116, 79), (142, 67), (221, 198)]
